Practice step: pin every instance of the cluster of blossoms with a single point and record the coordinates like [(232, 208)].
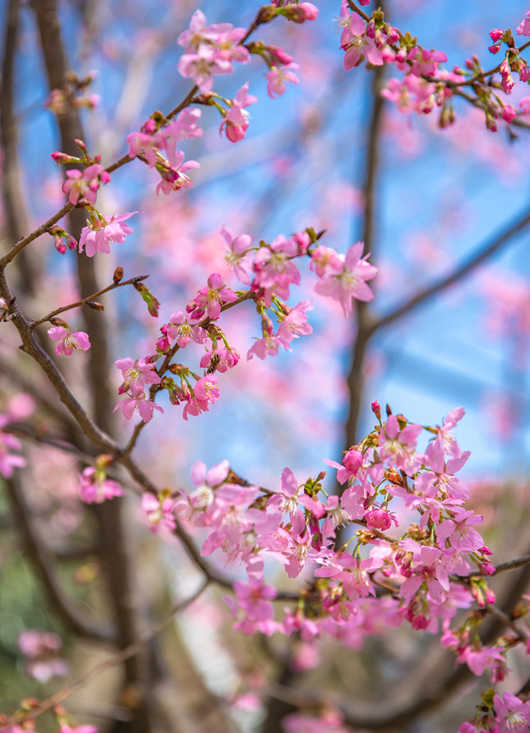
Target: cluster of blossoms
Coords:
[(422, 575), (425, 85), (269, 272), (41, 650), (95, 487)]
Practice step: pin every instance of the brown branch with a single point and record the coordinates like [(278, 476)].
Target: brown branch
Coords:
[(503, 617), (16, 214), (84, 301), (473, 261), (74, 618), (118, 658), (512, 564)]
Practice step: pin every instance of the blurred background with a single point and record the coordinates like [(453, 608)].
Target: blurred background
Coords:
[(438, 197)]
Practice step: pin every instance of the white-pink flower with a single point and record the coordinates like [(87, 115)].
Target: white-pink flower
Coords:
[(97, 236), (350, 282), (278, 77), (236, 256), (68, 340), (236, 121)]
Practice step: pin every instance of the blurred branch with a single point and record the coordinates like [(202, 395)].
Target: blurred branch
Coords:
[(73, 618), (14, 204), (363, 312), (477, 258), (118, 658)]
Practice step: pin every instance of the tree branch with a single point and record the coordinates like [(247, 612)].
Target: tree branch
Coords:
[(118, 658), (84, 301), (481, 255), (73, 618)]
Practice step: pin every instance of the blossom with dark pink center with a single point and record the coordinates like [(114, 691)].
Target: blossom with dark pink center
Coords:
[(358, 45), (174, 174), (351, 463), (236, 122)]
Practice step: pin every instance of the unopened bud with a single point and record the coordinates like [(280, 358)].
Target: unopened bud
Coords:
[(82, 147), (376, 409), (388, 410), (55, 321), (63, 158), (118, 275), (95, 305), (265, 14)]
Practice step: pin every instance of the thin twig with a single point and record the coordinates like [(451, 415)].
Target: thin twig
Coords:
[(84, 301), (114, 660)]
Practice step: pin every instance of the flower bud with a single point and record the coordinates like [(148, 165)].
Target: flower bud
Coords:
[(95, 305), (376, 409), (63, 158), (118, 275)]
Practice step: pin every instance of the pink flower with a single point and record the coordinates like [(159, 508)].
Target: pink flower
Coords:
[(184, 127), (78, 729), (221, 358), (425, 61), (496, 34), (523, 29), (158, 510), (148, 141), (84, 184), (278, 77), (137, 402), (69, 341), (95, 489), (351, 463), (301, 12), (512, 714), (269, 344), (236, 121), (460, 530), (398, 446), (9, 461), (350, 282), (210, 298), (325, 261), (41, 649), (379, 519), (357, 44), (138, 373), (97, 237), (174, 175), (295, 323), (274, 268), (445, 439), (524, 104), (183, 332), (509, 113), (236, 256)]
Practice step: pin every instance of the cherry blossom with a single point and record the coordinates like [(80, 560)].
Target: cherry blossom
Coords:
[(68, 340), (97, 236), (158, 510), (84, 183), (236, 256), (236, 122), (350, 282), (182, 332), (95, 489), (140, 372), (209, 299), (136, 402), (278, 77)]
